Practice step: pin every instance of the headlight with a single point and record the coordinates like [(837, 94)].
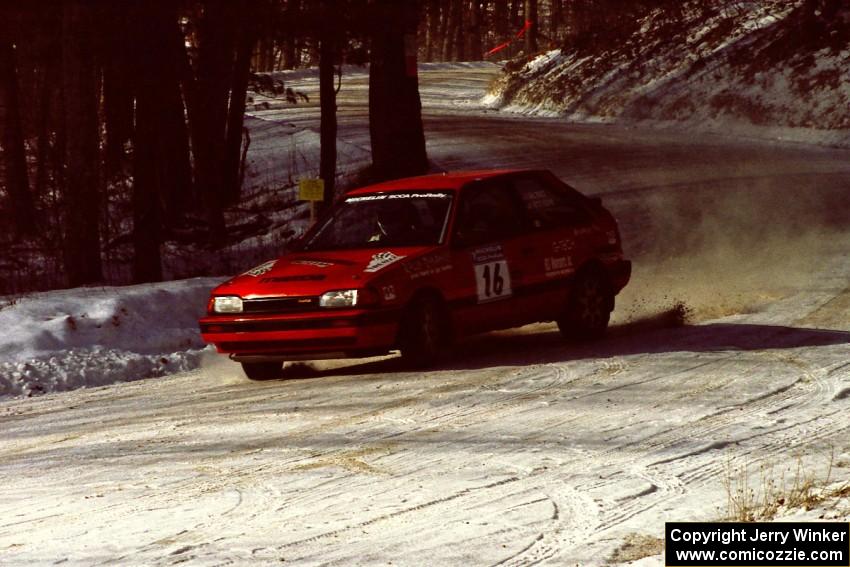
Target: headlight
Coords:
[(339, 298), (227, 304)]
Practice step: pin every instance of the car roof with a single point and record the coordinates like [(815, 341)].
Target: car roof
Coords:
[(447, 181)]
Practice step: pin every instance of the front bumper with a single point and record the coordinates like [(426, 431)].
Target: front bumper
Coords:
[(353, 332)]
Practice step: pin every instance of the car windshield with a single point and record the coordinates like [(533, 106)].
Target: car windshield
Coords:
[(412, 218)]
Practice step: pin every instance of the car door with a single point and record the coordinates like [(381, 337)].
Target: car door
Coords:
[(562, 238), (487, 242)]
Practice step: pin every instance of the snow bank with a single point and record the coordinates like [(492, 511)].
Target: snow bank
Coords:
[(62, 340), (757, 69)]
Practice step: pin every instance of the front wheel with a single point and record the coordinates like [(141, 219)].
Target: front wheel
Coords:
[(588, 307), (263, 370), (424, 335)]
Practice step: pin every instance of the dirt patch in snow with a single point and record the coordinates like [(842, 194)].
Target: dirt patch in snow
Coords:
[(637, 546)]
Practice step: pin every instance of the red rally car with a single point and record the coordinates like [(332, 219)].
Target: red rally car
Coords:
[(412, 264)]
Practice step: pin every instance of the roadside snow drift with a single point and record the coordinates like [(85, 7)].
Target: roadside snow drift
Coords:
[(63, 340), (765, 68)]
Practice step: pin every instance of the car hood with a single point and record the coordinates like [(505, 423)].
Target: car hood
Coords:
[(313, 273)]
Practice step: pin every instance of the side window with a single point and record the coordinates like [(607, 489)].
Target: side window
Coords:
[(549, 207), (488, 212)]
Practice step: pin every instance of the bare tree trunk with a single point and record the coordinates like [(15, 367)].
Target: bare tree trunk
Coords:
[(14, 151), (433, 31), (439, 40), (178, 196), (236, 112), (556, 15), (162, 180), (215, 62), (188, 128), (266, 47), (278, 57), (117, 93), (290, 48), (581, 14), (531, 32), (289, 52), (450, 16), (81, 239), (118, 115), (460, 31), (155, 72), (516, 13), (148, 181), (271, 60), (474, 51), (395, 111), (45, 106), (501, 25), (327, 98)]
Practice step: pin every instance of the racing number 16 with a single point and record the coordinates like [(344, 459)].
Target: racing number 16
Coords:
[(493, 280)]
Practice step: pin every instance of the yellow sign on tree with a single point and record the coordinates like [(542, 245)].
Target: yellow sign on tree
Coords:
[(311, 189)]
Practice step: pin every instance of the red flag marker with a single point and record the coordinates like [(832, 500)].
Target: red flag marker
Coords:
[(518, 35)]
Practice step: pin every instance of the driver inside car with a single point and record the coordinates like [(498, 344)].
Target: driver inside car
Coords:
[(395, 225)]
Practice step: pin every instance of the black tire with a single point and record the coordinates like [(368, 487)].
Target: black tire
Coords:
[(424, 336), (263, 370), (588, 307)]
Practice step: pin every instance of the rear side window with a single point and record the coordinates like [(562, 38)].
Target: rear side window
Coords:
[(547, 206), (488, 212)]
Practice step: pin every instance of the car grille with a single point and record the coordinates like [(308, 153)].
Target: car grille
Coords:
[(285, 346), (262, 326), (280, 304)]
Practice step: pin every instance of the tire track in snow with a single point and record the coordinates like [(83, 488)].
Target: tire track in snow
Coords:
[(573, 520), (384, 517), (666, 485), (808, 389)]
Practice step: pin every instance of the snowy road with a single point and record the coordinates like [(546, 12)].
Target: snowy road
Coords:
[(519, 450)]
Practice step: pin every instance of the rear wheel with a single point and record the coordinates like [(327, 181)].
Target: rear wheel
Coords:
[(424, 334), (263, 370), (588, 307)]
